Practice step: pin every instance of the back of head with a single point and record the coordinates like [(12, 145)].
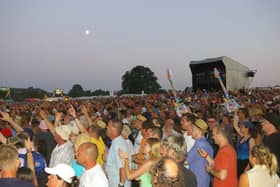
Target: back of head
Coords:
[(154, 144), (156, 132), (25, 174), (265, 157), (178, 144), (191, 117), (166, 174), (8, 157), (222, 130)]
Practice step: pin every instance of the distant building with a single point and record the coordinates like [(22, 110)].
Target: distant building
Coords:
[(234, 74)]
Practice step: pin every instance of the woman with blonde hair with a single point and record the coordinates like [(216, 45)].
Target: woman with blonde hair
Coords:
[(151, 154), (264, 169)]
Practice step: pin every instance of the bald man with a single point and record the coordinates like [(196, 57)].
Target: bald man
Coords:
[(94, 174)]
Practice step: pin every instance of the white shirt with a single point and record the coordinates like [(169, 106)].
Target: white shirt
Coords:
[(189, 140), (62, 154), (131, 152), (137, 142), (94, 176), (259, 177)]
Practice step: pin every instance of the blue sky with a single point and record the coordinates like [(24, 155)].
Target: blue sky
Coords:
[(43, 43)]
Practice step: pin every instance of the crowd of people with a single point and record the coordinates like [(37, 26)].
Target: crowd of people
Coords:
[(141, 141)]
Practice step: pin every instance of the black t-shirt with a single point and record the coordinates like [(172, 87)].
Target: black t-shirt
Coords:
[(14, 182), (189, 177), (46, 144), (272, 142)]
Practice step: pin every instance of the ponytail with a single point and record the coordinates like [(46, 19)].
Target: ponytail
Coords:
[(265, 157), (273, 165)]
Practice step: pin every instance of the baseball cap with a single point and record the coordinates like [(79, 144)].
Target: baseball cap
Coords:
[(201, 124), (247, 124), (64, 171), (101, 124), (141, 118)]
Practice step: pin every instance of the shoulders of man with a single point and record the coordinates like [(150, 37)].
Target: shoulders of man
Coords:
[(94, 176), (12, 182)]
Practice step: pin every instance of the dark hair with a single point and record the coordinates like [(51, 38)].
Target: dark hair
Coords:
[(25, 174), (190, 117), (157, 131), (118, 125), (147, 125)]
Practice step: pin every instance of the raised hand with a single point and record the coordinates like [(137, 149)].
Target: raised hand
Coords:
[(72, 111), (2, 138), (5, 116), (28, 144), (43, 114), (84, 109)]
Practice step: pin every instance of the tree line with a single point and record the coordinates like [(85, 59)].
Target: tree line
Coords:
[(133, 81)]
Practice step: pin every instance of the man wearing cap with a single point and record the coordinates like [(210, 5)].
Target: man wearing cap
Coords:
[(136, 133), (64, 151), (270, 127), (60, 174), (196, 163)]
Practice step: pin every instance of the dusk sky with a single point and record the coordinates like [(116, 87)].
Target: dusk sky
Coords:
[(44, 44)]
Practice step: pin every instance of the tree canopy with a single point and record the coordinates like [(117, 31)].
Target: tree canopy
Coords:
[(76, 91), (139, 79)]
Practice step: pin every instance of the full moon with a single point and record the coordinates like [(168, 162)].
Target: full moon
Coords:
[(87, 32)]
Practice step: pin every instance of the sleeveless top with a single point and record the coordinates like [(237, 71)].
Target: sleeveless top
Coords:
[(146, 180), (243, 149), (259, 177)]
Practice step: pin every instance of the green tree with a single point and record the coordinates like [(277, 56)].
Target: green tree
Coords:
[(100, 92), (138, 79), (76, 91)]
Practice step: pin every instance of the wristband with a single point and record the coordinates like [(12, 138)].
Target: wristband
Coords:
[(205, 155)]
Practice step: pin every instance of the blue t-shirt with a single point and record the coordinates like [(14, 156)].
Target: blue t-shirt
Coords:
[(14, 182), (197, 163), (79, 169)]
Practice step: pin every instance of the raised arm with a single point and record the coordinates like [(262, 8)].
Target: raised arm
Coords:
[(6, 117), (72, 112), (85, 112), (30, 161), (3, 139), (47, 121), (235, 123)]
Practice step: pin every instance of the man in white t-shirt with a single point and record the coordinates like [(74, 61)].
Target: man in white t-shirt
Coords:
[(186, 123), (94, 174)]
